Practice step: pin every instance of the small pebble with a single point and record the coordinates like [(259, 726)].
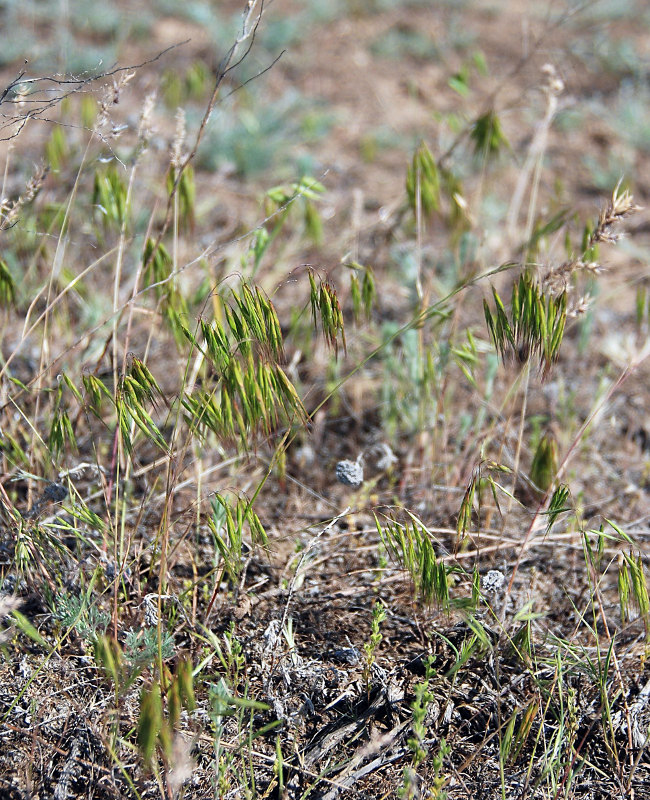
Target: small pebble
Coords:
[(493, 581), (349, 473)]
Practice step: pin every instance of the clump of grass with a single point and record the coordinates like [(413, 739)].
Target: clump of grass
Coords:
[(227, 525), (412, 546)]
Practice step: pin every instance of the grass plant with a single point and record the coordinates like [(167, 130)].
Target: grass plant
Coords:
[(190, 553)]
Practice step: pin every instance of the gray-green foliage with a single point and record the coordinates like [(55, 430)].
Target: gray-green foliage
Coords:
[(81, 613)]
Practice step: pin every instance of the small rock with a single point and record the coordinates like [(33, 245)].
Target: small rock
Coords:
[(349, 473)]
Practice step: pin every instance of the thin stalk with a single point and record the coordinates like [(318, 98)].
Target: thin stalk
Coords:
[(520, 438), (641, 357)]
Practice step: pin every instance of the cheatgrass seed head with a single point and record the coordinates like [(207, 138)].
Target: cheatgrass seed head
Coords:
[(179, 139), (545, 462), (619, 207)]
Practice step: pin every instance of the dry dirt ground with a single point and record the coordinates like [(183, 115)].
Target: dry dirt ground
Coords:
[(357, 87)]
